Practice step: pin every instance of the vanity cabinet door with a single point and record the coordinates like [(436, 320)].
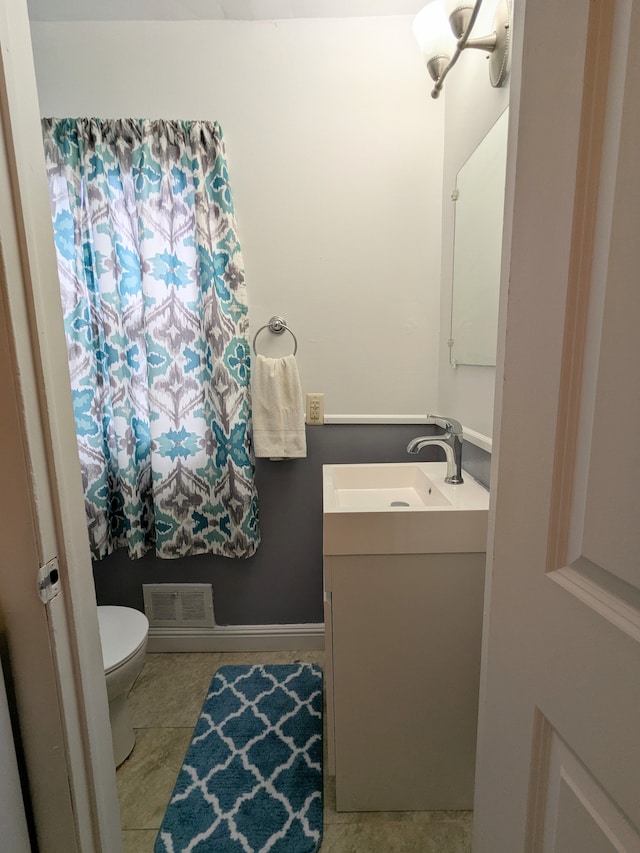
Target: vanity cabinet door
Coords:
[(406, 634)]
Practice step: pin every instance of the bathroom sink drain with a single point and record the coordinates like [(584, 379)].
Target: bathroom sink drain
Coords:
[(399, 503)]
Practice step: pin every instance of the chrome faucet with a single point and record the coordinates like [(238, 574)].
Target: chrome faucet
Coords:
[(450, 441)]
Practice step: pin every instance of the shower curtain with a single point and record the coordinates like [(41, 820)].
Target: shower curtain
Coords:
[(154, 303)]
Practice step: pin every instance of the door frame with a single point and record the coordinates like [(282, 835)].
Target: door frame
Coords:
[(40, 369)]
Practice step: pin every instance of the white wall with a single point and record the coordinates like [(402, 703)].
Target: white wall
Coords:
[(465, 392), (335, 157)]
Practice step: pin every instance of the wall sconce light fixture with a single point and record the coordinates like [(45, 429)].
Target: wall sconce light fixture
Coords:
[(432, 27)]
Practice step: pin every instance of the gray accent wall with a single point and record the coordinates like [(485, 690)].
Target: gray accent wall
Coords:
[(282, 582)]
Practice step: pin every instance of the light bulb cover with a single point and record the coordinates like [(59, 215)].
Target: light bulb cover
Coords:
[(450, 6), (431, 31)]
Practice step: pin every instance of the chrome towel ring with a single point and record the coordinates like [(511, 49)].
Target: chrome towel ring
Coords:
[(278, 326)]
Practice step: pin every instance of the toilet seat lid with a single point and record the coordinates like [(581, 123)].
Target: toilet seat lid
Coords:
[(122, 631)]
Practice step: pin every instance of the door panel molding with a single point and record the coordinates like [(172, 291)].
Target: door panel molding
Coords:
[(540, 758), (569, 810), (595, 595), (592, 131), (589, 544)]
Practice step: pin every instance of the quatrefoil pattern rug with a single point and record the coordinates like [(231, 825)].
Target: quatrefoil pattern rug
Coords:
[(251, 781)]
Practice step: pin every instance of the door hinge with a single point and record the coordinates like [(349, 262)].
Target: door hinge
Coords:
[(49, 580), (455, 194)]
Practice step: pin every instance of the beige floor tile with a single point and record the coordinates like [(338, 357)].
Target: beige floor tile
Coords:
[(393, 836), (146, 779), (251, 658), (373, 818), (453, 817), (171, 688), (312, 657), (138, 840)]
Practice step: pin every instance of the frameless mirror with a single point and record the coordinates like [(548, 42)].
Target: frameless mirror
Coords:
[(479, 214)]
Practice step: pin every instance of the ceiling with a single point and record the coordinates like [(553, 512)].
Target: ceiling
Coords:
[(197, 10)]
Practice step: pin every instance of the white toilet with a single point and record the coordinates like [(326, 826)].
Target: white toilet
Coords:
[(123, 634)]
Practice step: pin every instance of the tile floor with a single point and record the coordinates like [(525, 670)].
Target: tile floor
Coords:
[(165, 703)]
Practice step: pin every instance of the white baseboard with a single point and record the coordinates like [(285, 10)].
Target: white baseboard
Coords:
[(306, 637), (482, 441), (375, 419)]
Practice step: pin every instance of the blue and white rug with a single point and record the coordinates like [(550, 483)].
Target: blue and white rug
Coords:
[(251, 781)]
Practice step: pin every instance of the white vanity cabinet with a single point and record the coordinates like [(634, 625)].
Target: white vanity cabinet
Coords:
[(403, 636)]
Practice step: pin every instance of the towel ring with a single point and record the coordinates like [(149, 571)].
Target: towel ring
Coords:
[(278, 326)]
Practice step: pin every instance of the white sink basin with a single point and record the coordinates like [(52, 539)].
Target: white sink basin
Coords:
[(383, 486), (404, 508)]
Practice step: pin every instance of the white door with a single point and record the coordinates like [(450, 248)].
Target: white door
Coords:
[(559, 735), (13, 819)]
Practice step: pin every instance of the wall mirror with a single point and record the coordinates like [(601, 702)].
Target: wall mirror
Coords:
[(479, 214)]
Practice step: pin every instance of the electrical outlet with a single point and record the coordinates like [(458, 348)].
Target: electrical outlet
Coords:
[(315, 409)]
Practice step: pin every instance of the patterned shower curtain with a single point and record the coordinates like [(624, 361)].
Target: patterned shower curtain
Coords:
[(155, 314)]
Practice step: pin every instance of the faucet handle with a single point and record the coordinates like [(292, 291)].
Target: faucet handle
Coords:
[(449, 424)]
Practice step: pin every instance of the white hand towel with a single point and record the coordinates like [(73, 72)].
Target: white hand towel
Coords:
[(278, 409)]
